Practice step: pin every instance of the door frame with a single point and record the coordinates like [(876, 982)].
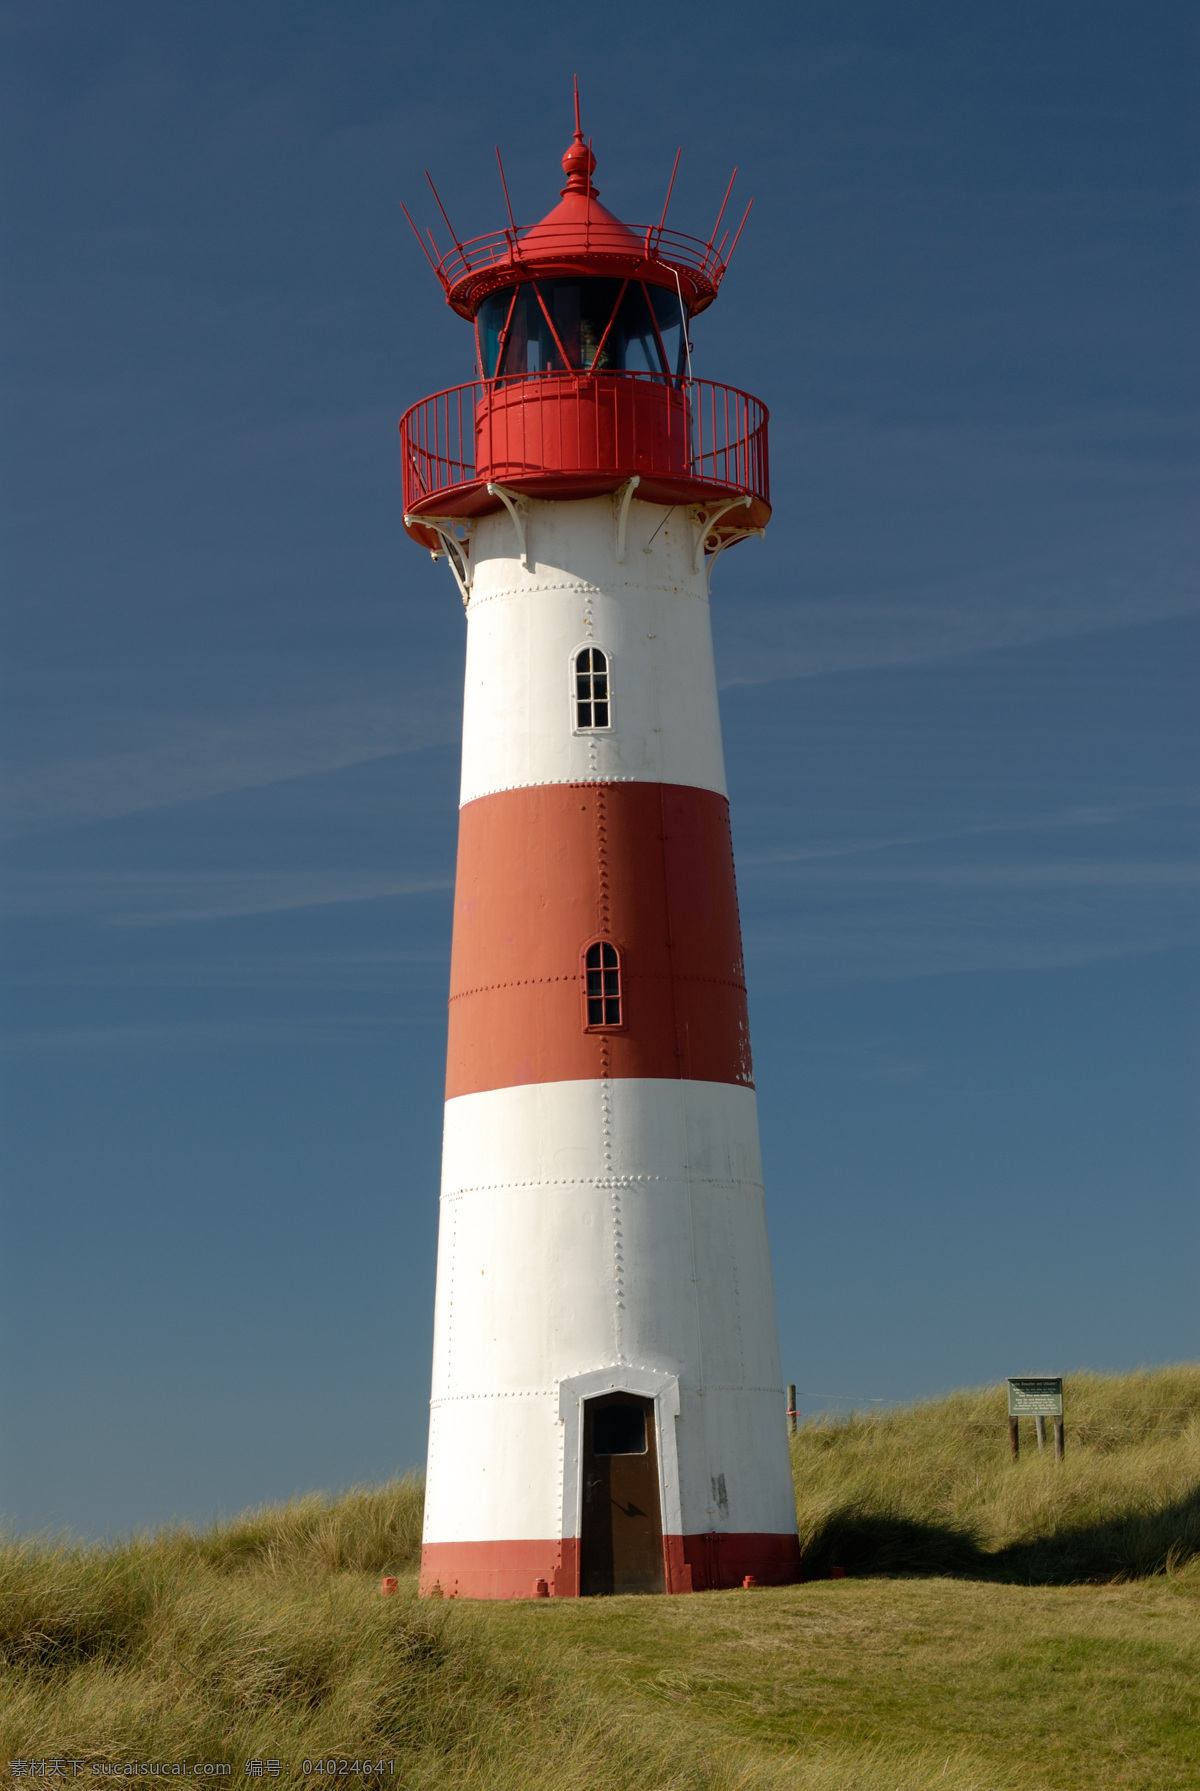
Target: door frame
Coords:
[(646, 1383)]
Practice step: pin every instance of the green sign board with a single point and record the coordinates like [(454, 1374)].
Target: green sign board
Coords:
[(1035, 1396)]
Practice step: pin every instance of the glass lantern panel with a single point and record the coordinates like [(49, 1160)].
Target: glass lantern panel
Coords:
[(575, 319), (671, 317)]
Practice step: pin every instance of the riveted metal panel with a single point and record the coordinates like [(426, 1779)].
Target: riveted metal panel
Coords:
[(599, 1229), (540, 871), (650, 614)]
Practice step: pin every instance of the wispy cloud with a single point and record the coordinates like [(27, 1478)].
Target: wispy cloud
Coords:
[(346, 971), (1064, 821), (187, 1035), (153, 898), (1061, 874), (185, 760), (1103, 538), (935, 901), (816, 637), (859, 948)]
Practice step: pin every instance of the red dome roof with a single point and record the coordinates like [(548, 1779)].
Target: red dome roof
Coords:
[(579, 226), (581, 237)]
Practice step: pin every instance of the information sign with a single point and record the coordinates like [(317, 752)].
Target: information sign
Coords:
[(1035, 1396)]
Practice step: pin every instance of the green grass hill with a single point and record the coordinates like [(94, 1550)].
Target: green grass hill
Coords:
[(1002, 1627)]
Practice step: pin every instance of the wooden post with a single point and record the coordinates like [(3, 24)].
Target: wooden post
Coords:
[(1060, 1441), (1039, 1424), (1014, 1437), (791, 1410)]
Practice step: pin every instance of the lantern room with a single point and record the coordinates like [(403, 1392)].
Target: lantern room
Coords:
[(584, 378), (583, 326)]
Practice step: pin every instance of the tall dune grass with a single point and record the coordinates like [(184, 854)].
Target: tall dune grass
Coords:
[(265, 1637), (932, 1489)]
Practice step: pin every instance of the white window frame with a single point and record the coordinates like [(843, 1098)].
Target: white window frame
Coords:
[(584, 733)]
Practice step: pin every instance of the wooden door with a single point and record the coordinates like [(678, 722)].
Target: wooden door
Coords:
[(621, 1543)]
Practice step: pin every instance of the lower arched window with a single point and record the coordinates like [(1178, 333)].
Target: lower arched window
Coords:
[(592, 696), (602, 984)]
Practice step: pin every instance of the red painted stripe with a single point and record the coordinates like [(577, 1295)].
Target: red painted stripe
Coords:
[(543, 870), (701, 1563), (500, 1569), (718, 1560)]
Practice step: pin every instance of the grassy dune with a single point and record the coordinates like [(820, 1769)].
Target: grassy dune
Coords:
[(930, 1489), (1004, 1626)]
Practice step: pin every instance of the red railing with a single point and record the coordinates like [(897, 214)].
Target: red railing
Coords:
[(506, 248), (567, 430)]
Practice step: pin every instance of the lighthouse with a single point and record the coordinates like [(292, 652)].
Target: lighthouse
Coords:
[(607, 1411)]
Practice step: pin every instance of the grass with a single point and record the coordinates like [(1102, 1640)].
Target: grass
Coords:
[(1006, 1627), (929, 1489)]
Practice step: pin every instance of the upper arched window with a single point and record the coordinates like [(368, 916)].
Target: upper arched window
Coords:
[(593, 699), (602, 984)]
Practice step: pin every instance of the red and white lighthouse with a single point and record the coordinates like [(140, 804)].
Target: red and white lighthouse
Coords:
[(606, 1409)]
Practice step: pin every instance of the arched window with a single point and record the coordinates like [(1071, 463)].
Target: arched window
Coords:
[(592, 706), (602, 984)]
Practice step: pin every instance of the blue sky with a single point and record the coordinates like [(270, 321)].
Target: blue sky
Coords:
[(955, 684)]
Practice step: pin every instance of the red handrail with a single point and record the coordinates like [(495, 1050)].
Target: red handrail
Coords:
[(503, 248), (563, 425)]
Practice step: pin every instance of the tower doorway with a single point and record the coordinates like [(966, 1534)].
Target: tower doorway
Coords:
[(621, 1544)]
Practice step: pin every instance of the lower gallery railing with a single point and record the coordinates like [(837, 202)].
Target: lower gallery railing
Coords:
[(575, 425)]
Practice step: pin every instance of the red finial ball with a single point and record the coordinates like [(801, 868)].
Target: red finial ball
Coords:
[(578, 165)]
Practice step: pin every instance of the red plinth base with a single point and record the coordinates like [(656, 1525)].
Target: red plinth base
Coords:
[(702, 1563)]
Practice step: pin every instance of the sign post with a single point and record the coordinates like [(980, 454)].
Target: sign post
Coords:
[(1037, 1396)]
